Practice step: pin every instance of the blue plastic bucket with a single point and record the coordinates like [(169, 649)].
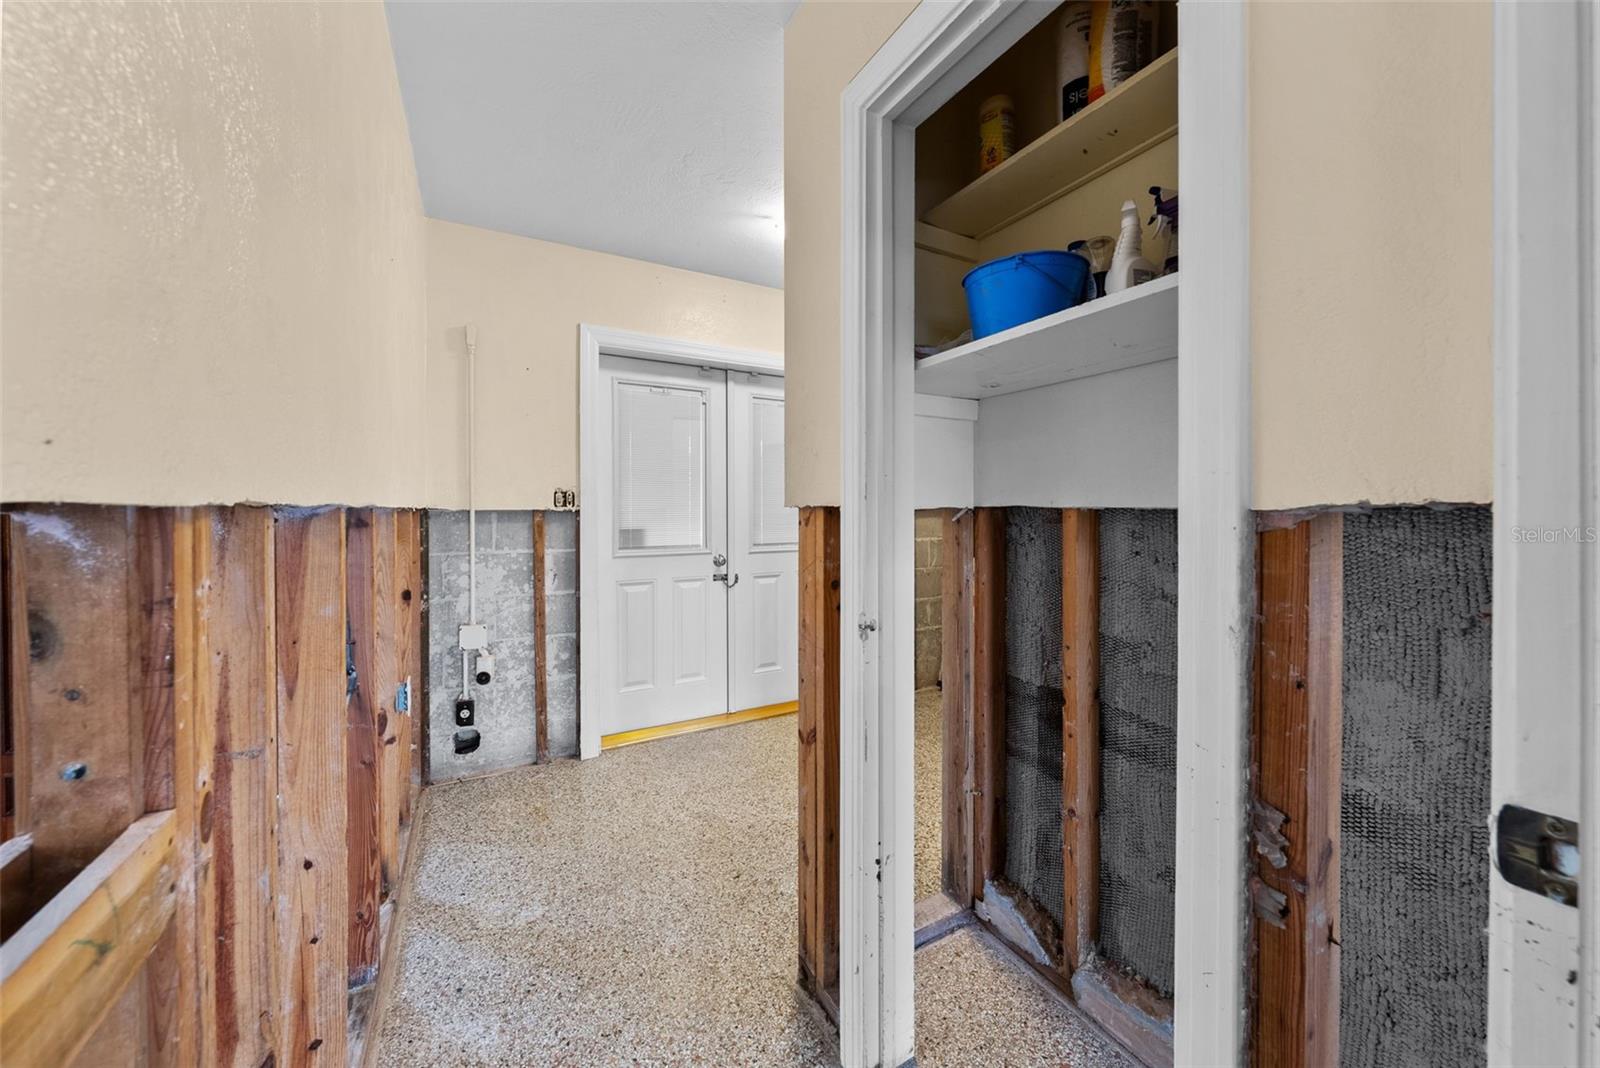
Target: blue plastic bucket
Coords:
[(1017, 289)]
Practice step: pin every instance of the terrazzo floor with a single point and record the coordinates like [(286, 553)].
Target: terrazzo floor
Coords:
[(929, 791), (640, 909)]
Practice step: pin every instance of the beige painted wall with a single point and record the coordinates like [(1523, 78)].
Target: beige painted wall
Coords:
[(1370, 229), (1370, 130), (527, 298), (212, 256), (824, 46)]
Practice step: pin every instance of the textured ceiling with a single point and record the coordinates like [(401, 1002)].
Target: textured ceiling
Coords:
[(650, 130)]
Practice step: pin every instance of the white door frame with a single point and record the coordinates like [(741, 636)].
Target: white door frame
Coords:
[(593, 483), (941, 45), (1547, 479)]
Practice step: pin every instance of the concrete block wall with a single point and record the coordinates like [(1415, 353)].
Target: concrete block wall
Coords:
[(929, 607), (505, 707)]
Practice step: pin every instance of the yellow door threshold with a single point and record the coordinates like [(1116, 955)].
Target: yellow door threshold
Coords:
[(704, 723)]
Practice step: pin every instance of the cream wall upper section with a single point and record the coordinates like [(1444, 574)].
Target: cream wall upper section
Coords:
[(213, 256), (527, 298), (824, 46), (1370, 134)]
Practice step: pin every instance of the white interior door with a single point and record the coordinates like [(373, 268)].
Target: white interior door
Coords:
[(764, 557), (663, 617)]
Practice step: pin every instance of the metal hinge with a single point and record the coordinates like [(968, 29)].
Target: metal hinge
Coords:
[(1538, 852), (866, 626)]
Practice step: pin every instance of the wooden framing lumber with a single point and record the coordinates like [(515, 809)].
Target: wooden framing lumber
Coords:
[(68, 965), (1295, 786), (312, 880), (541, 711), (229, 739), (14, 591), (384, 683), (364, 862), (408, 625), (85, 749), (1127, 1009), (1080, 733), (956, 606), (818, 724), (988, 696)]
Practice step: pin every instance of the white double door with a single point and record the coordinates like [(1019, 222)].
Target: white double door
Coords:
[(699, 605)]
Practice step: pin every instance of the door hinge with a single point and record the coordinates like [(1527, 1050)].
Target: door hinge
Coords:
[(1538, 852), (866, 626)]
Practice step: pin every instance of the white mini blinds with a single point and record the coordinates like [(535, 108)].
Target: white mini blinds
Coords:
[(772, 526), (660, 442)]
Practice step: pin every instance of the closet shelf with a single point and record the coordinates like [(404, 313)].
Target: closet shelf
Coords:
[(1127, 329), (1141, 112)]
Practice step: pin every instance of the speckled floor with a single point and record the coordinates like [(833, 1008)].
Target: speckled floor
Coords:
[(640, 909), (930, 791)]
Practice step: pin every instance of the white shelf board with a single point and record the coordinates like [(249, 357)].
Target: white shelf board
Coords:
[(1127, 329)]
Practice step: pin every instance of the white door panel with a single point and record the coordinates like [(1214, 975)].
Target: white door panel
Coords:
[(764, 600), (665, 429)]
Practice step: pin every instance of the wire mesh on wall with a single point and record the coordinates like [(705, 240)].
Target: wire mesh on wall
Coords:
[(1033, 706), (1414, 797), (1138, 739)]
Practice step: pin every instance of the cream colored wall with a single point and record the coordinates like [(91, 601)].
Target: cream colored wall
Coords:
[(527, 298), (1370, 127), (1370, 132), (212, 256), (824, 46)]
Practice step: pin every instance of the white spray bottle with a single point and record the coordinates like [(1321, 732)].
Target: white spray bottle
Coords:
[(1128, 265)]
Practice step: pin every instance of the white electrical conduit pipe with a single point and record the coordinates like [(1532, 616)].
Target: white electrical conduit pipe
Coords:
[(472, 496)]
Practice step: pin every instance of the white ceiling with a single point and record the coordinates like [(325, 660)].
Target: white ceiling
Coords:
[(646, 129)]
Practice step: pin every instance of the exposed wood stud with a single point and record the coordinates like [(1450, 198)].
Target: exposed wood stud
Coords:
[(1295, 749), (15, 682), (956, 604), (818, 724), (312, 880), (384, 680), (232, 729), (364, 859), (1080, 734), (408, 623), (989, 695), (69, 965), (541, 712), (150, 666), (77, 565)]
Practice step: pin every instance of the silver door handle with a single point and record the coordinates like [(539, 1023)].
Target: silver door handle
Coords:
[(719, 561), (722, 577)]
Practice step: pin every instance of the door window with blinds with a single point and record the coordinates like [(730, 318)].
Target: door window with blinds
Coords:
[(772, 526), (659, 438)]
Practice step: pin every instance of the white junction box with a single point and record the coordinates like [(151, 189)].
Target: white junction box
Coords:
[(474, 636)]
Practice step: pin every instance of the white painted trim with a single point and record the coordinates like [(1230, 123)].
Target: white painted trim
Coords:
[(936, 51), (1545, 735), (594, 342), (929, 406), (938, 48), (1216, 538)]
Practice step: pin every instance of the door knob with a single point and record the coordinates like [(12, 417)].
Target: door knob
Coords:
[(719, 560)]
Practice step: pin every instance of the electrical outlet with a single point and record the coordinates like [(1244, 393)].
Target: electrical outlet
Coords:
[(565, 498), (466, 709)]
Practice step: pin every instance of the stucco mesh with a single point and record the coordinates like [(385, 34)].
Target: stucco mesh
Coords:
[(1413, 855), (1033, 706), (1138, 738)]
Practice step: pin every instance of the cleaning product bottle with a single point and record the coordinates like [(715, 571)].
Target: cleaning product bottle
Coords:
[(1072, 59), (1128, 265), (1165, 220)]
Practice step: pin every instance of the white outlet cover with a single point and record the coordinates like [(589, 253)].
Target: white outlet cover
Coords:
[(474, 636)]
